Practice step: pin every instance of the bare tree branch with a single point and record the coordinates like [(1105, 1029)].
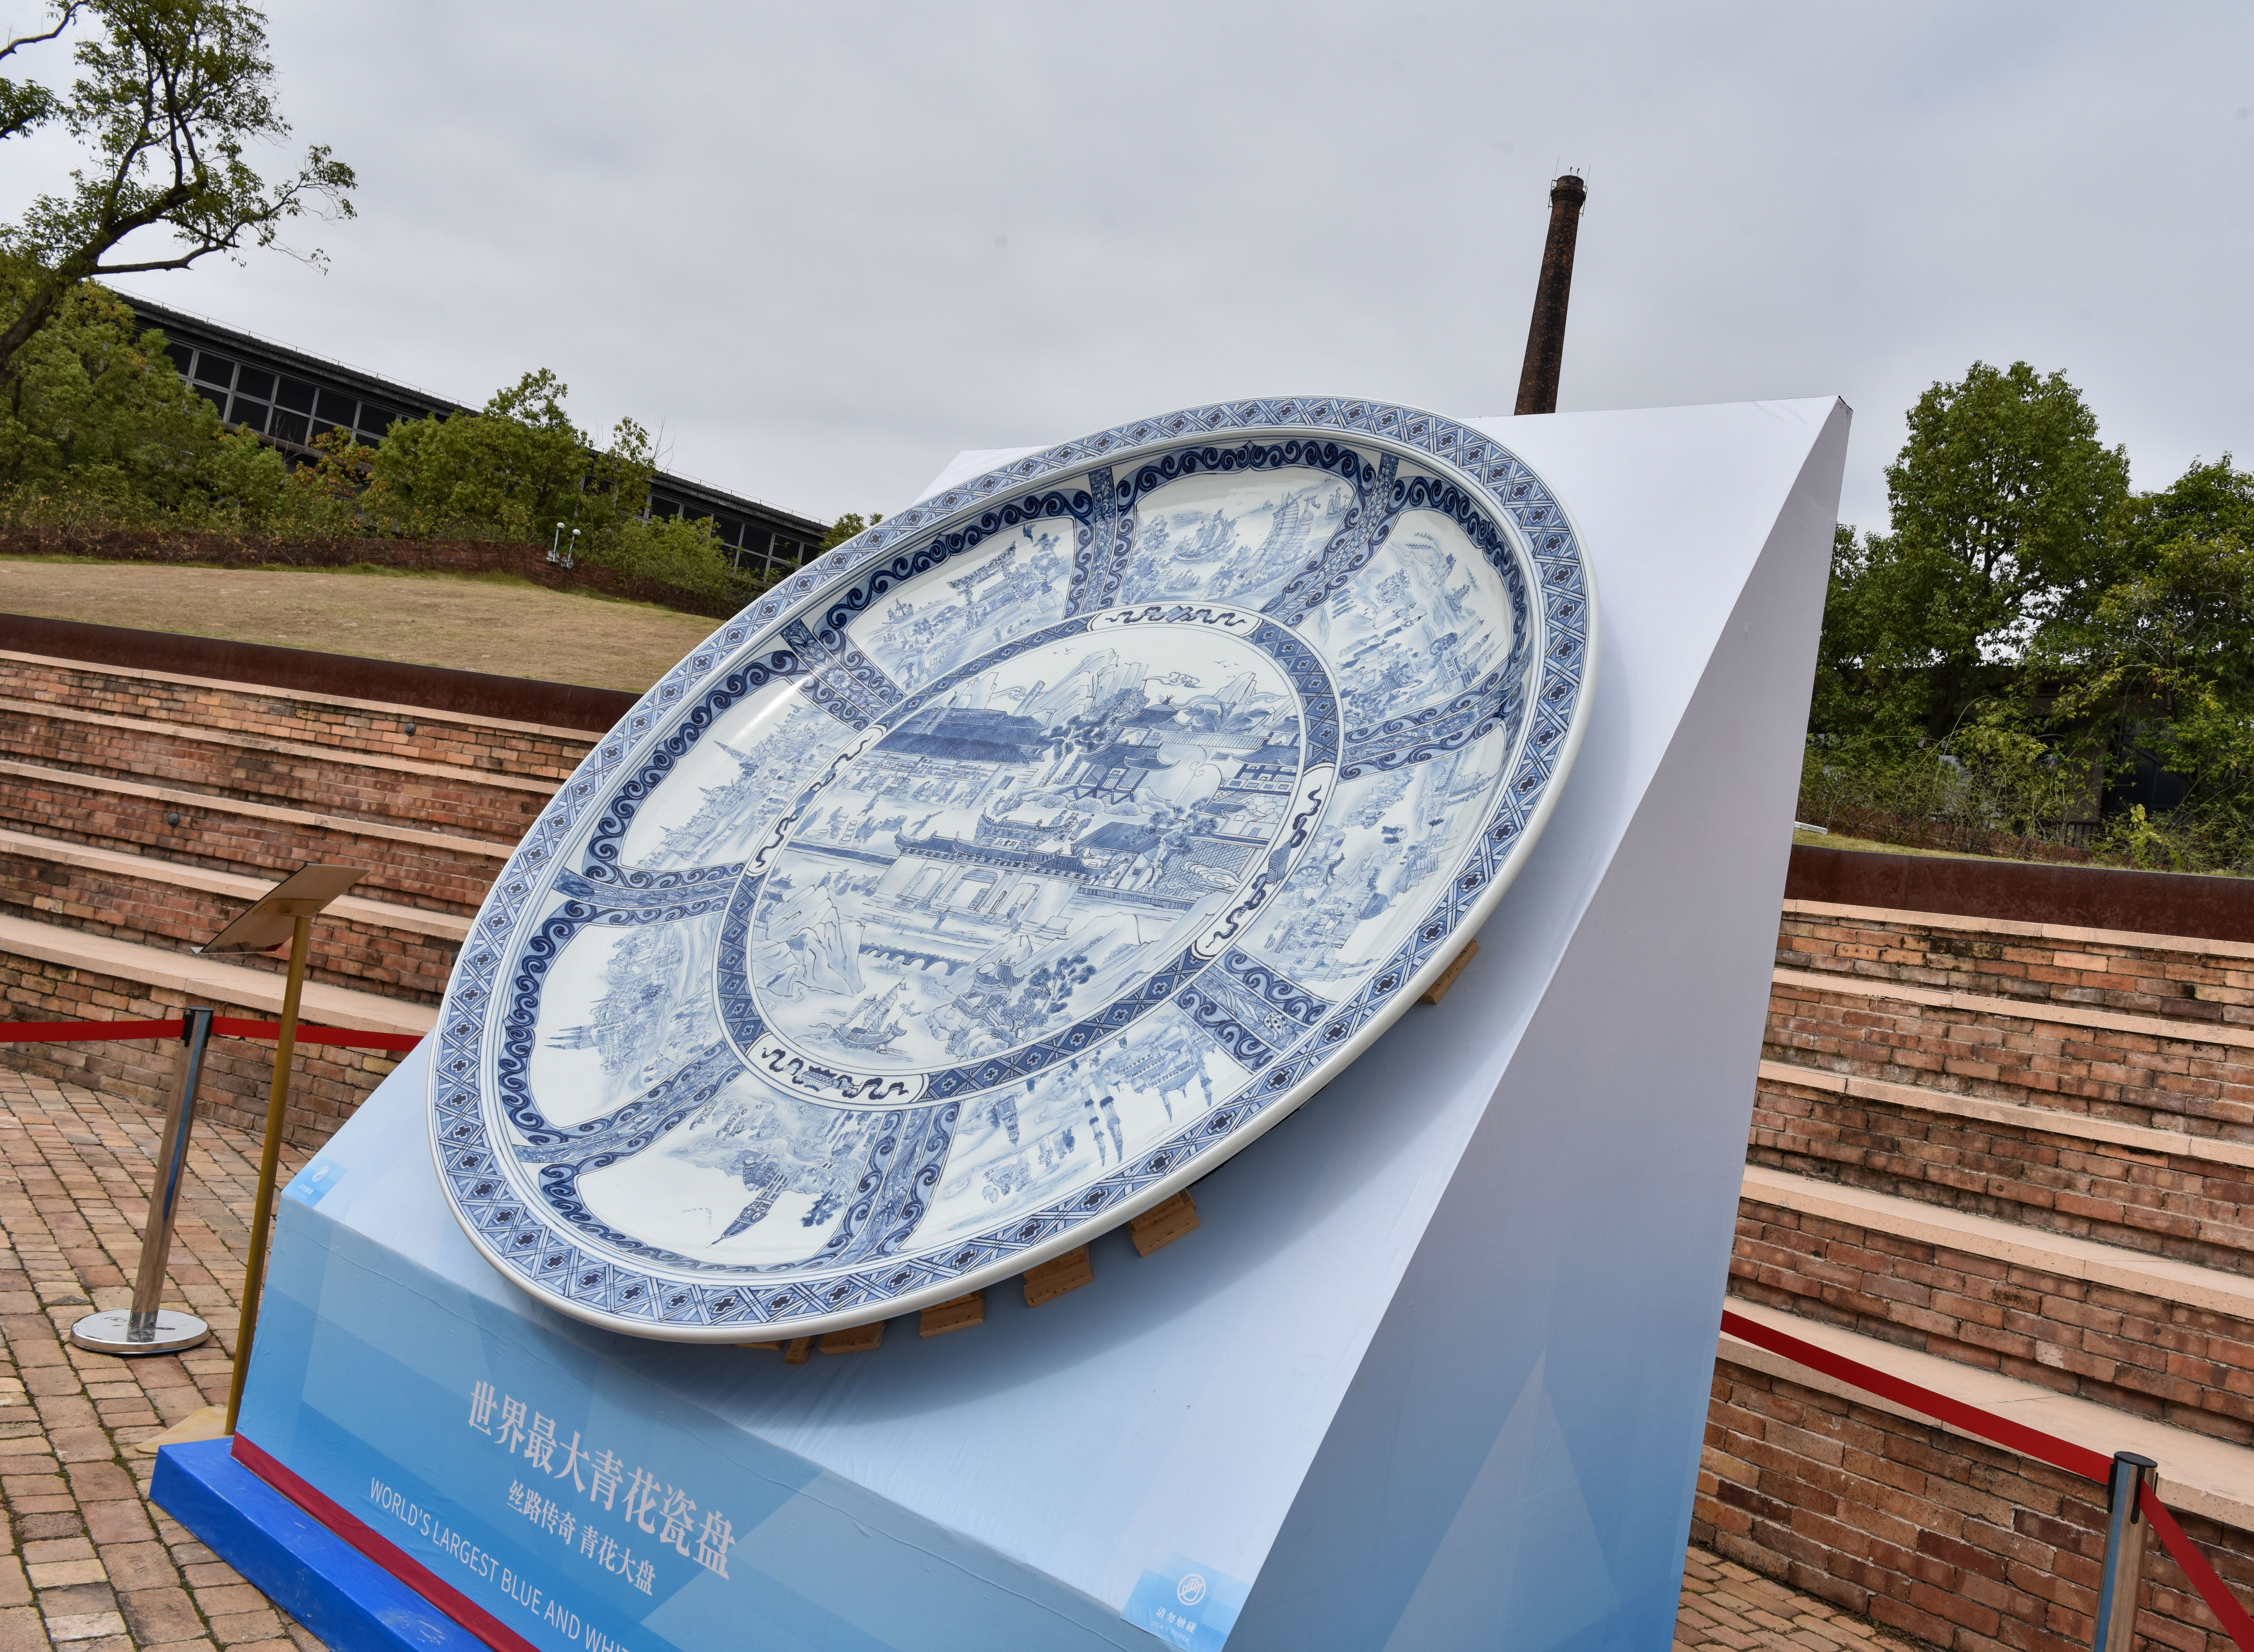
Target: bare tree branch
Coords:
[(183, 82), (23, 107), (65, 16)]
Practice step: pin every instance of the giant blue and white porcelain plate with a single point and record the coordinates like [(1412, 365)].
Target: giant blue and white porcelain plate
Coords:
[(1006, 869)]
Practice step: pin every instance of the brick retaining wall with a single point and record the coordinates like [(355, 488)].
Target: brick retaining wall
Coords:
[(2185, 1082), (2189, 1367), (2161, 1204), (545, 747), (2096, 897), (463, 803), (409, 965), (433, 875), (2095, 968), (1973, 1549), (327, 1085)]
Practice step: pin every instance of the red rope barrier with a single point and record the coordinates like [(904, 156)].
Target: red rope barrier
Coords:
[(2212, 1589), (2079, 1461), (226, 1027), (84, 1032), (229, 1027), (2059, 1454)]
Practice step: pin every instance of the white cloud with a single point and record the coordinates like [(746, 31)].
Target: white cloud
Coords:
[(827, 247)]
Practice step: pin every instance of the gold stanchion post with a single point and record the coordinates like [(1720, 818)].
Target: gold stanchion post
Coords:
[(269, 1163), (287, 910)]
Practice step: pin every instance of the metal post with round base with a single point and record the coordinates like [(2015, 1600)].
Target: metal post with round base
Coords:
[(119, 1330), (144, 1327)]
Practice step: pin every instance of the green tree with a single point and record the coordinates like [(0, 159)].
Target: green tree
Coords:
[(98, 429), (1852, 699), (168, 94), (24, 104), (847, 527), (2161, 661), (97, 422), (2207, 501), (521, 469), (2000, 502), (249, 482), (513, 472), (679, 550)]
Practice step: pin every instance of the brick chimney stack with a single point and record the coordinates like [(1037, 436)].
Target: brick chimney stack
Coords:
[(1545, 335)]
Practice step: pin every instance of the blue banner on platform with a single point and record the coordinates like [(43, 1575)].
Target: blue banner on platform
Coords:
[(578, 1502), (576, 1519)]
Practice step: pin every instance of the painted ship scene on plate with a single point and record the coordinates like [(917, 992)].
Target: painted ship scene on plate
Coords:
[(986, 885)]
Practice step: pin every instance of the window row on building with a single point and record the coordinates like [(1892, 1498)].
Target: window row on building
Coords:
[(289, 411), (291, 398)]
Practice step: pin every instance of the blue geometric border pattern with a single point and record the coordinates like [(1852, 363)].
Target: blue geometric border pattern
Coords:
[(844, 673), (844, 604), (1252, 1011), (1103, 548), (829, 593)]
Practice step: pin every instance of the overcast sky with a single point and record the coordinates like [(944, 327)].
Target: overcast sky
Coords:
[(825, 248)]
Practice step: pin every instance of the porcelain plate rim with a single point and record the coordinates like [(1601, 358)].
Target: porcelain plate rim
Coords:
[(1541, 535)]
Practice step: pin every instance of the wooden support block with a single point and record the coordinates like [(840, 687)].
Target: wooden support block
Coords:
[(1164, 1223), (1439, 990), (776, 1346), (862, 1339), (1052, 1280), (959, 1314), (796, 1353)]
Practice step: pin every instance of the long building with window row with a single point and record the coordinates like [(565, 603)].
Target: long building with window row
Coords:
[(289, 398)]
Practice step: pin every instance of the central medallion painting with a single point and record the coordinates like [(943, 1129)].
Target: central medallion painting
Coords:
[(1001, 873)]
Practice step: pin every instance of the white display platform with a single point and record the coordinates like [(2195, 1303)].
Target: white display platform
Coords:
[(1433, 1372)]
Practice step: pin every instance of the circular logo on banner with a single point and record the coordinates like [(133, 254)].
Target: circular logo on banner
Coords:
[(1191, 1590)]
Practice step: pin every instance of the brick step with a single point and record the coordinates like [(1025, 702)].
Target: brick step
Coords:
[(430, 869), (491, 745), (2199, 1474), (258, 768), (2164, 1339), (2178, 977), (2084, 1016), (2203, 1142), (2160, 1191), (247, 991), (1935, 1534), (52, 972), (2147, 1069), (401, 951)]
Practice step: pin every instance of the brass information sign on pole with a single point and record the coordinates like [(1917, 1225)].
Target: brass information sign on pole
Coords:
[(285, 913)]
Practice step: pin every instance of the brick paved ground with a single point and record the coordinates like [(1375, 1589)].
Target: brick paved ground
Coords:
[(87, 1562), (1724, 1605)]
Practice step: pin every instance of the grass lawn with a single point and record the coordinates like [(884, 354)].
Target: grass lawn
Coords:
[(1840, 840), (495, 622)]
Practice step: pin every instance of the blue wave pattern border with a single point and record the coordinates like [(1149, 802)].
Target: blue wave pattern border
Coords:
[(520, 1235)]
